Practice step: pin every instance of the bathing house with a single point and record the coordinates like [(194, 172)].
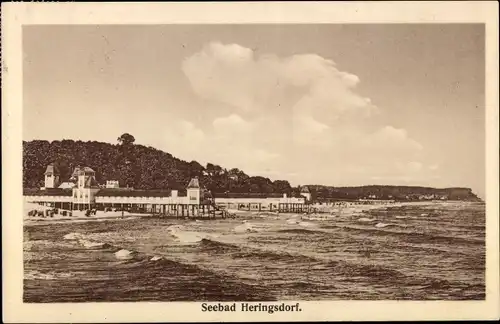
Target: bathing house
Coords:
[(86, 193)]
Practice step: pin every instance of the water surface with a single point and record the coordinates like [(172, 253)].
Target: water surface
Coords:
[(432, 252)]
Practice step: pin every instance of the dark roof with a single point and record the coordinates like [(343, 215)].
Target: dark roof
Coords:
[(47, 192), (113, 192), (75, 172), (247, 195), (91, 183), (51, 169), (79, 170), (304, 190), (194, 184), (253, 195)]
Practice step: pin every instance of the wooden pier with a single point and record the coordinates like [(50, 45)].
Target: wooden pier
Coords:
[(208, 210)]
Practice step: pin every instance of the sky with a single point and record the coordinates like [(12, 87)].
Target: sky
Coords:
[(330, 104)]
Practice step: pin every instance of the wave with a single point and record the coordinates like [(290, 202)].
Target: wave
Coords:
[(125, 254), (366, 220), (246, 252), (261, 254), (37, 275), (269, 255), (73, 236), (94, 244), (246, 228), (350, 269), (187, 237), (307, 224), (33, 245), (382, 225), (412, 237), (300, 231), (218, 246)]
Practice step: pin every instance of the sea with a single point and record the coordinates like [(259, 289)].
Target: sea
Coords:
[(413, 252)]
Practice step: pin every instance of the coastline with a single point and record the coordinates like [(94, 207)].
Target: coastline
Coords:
[(329, 212)]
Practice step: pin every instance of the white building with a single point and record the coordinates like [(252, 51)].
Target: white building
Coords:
[(86, 188), (304, 192), (112, 184), (83, 192), (51, 177)]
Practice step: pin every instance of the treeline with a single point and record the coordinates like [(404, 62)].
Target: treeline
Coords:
[(138, 167), (400, 193), (146, 168)]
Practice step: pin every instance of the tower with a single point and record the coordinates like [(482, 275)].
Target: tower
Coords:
[(86, 187), (304, 192), (84, 177), (51, 176), (194, 192)]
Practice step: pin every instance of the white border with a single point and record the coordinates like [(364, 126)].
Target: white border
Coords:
[(14, 15)]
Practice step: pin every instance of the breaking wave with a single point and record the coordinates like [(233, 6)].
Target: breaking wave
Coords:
[(301, 231), (413, 237)]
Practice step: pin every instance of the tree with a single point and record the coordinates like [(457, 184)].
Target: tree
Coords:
[(195, 169), (126, 139), (282, 186)]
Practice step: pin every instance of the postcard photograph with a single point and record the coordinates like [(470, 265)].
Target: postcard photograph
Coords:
[(246, 167)]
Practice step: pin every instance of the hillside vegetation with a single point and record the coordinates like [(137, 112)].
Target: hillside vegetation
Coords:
[(143, 167)]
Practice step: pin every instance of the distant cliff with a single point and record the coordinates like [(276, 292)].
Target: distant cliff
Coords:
[(144, 167), (405, 193)]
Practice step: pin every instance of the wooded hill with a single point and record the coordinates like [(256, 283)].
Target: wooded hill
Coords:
[(143, 167)]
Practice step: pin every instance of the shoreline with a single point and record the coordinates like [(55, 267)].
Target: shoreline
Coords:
[(335, 211)]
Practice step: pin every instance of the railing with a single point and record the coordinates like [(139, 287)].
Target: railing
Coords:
[(48, 198), (141, 200)]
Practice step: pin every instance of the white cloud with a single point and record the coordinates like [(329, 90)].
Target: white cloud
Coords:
[(434, 167), (298, 115), (231, 124)]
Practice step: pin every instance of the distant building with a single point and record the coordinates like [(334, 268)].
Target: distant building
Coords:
[(83, 192), (194, 191), (304, 192), (86, 188), (51, 177), (112, 184), (67, 185)]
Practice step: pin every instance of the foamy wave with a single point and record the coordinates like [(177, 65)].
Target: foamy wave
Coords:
[(124, 254), (245, 228), (156, 258), (366, 220), (307, 224), (382, 225), (178, 231), (74, 236), (318, 217), (91, 244), (29, 245), (37, 275)]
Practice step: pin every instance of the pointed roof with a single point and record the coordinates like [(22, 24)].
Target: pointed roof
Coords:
[(304, 190), (67, 185), (51, 169), (75, 173), (194, 183), (79, 170), (91, 183)]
